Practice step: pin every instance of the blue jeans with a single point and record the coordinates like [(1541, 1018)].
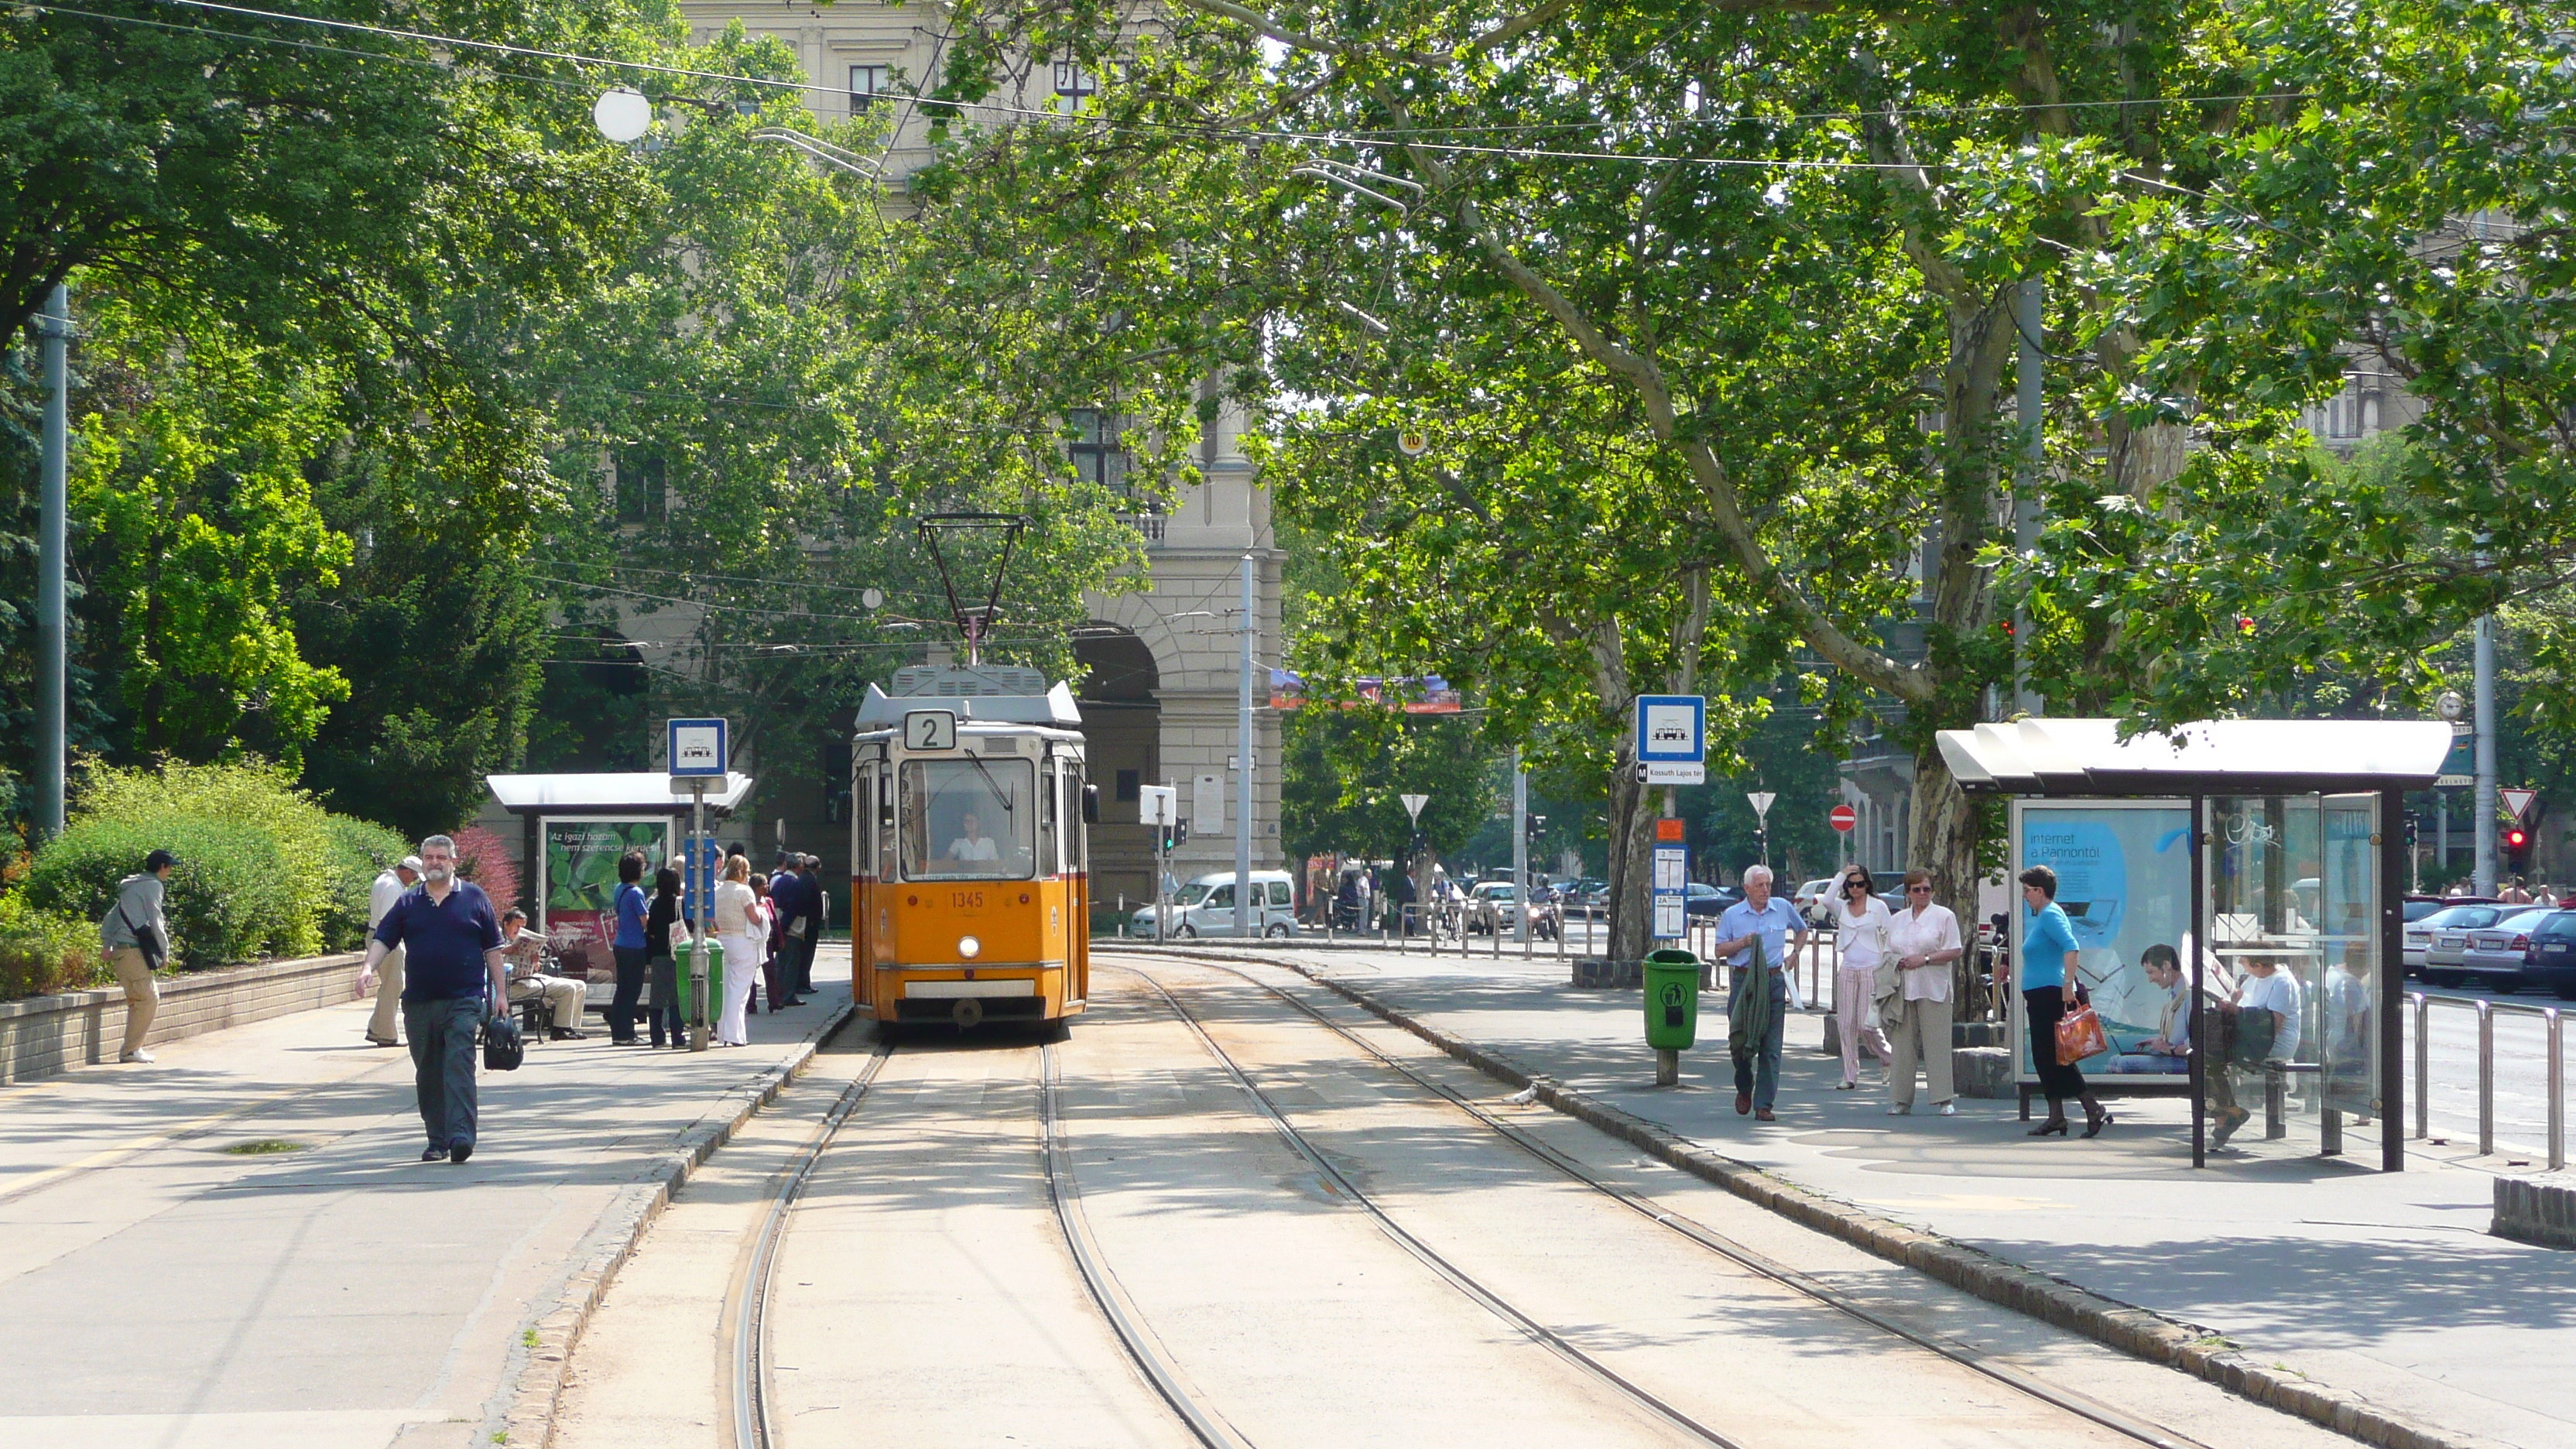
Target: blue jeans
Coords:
[(665, 1010), (442, 1058), (630, 989), (1760, 1074)]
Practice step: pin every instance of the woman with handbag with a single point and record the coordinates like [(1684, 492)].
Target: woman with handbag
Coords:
[(1860, 936), (2049, 987), (1923, 940)]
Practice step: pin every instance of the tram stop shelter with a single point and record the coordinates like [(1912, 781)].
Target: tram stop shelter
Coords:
[(2235, 850), (573, 829)]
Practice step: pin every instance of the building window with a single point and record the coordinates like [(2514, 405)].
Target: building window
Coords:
[(1073, 85), (1128, 780), (640, 493), (1097, 455), (867, 82), (2343, 415)]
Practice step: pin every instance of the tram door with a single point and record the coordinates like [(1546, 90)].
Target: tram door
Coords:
[(1077, 874)]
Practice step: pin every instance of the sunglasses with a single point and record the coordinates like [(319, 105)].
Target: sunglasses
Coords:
[(1855, 885)]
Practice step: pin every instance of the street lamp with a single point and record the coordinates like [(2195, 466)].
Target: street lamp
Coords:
[(623, 115)]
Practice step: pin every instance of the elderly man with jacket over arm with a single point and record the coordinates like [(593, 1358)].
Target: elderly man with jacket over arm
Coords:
[(455, 979), (1763, 919)]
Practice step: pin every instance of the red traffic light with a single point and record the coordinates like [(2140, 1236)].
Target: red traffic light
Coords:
[(2516, 838)]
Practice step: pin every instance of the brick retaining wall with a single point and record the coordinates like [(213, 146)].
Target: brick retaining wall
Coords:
[(43, 1035)]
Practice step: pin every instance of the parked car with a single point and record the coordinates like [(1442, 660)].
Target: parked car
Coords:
[(1583, 897), (1491, 904), (1205, 907), (2443, 953), (1707, 901), (1816, 900), (2459, 916), (2500, 955), (2552, 962)]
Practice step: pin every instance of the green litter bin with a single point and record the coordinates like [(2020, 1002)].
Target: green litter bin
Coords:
[(1672, 999), (699, 1005)]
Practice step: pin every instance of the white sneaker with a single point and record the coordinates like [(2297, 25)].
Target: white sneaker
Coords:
[(1947, 1110), (1899, 1109), (136, 1056)]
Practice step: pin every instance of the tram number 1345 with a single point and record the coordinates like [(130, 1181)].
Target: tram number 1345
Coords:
[(966, 900)]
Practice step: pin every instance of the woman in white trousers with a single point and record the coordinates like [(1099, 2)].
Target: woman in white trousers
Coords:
[(1925, 942), (1860, 936), (742, 950)]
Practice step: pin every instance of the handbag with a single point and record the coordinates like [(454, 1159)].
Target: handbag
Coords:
[(2080, 1034), (503, 1047)]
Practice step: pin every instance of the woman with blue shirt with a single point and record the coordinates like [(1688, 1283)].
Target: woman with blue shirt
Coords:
[(627, 946), (2047, 984)]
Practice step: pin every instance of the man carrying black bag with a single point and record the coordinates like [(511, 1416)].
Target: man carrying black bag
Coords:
[(135, 940), (454, 977)]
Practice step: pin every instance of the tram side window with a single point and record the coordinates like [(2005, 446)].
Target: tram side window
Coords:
[(1074, 858), (863, 820), (967, 819), (885, 822), (1048, 863)]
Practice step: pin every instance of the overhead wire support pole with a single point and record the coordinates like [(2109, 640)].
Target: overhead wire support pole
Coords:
[(2482, 813), (1243, 917), (54, 326)]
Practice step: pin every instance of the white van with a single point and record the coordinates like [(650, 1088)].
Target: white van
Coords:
[(1205, 907)]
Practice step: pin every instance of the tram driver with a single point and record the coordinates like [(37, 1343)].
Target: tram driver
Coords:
[(972, 844)]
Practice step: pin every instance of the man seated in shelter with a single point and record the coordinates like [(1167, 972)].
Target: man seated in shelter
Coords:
[(524, 951), (2169, 1050)]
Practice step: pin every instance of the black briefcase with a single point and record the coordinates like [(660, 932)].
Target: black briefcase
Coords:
[(503, 1047)]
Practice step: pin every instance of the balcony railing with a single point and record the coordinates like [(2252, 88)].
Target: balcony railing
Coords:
[(1148, 524)]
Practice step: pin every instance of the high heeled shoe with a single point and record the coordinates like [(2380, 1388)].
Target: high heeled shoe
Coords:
[(2054, 1124), (2093, 1125)]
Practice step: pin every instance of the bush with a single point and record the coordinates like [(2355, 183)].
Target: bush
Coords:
[(484, 858), (253, 794), (361, 850), (42, 953), (228, 899)]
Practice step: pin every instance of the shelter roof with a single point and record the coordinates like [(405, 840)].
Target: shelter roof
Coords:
[(645, 793), (2206, 757)]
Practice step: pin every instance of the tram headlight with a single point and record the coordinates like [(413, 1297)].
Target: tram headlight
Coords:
[(969, 947)]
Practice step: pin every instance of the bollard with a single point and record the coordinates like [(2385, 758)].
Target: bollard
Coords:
[(2557, 1093), (2423, 1064), (2486, 1078)]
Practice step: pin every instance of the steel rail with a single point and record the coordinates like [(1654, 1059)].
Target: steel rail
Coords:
[(1430, 1258), (1210, 1427), (750, 1292), (1760, 1264)]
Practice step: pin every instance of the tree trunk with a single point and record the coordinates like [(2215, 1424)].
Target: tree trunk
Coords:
[(1631, 854), (1945, 843)]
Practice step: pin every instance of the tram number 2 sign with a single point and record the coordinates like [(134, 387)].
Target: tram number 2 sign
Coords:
[(930, 729)]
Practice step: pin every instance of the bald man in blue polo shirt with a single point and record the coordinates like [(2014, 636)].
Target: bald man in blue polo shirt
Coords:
[(454, 977)]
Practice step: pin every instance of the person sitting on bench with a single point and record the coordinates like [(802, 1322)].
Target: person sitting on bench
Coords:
[(525, 950)]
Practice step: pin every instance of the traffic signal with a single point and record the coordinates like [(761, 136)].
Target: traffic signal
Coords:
[(2516, 841), (1534, 825), (1176, 835)]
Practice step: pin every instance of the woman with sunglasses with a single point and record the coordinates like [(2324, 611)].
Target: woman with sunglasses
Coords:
[(1924, 938), (1860, 931)]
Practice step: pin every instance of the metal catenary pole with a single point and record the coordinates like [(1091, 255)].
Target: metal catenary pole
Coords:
[(54, 325), (1520, 849), (2028, 404), (1244, 926), (2482, 814), (703, 908)]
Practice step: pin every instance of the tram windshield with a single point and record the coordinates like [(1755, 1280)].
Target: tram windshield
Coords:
[(967, 819)]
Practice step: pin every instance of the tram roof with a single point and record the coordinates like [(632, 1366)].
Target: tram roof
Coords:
[(595, 793), (2208, 757), (988, 695)]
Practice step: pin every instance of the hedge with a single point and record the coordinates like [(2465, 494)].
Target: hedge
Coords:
[(42, 953), (229, 900), (361, 850)]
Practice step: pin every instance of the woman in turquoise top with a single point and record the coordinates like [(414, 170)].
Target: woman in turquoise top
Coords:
[(2047, 978)]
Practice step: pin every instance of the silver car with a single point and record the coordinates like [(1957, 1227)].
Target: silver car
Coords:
[(2462, 919), (2497, 953)]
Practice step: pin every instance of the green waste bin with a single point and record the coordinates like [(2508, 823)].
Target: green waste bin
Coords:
[(699, 1007), (1672, 999)]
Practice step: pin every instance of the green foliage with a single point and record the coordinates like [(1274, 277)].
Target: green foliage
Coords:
[(361, 850), (231, 898), (1349, 769), (42, 952)]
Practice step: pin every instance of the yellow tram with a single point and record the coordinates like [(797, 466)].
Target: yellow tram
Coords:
[(970, 874)]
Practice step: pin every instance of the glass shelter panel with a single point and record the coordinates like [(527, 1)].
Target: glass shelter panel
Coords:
[(2293, 972), (967, 819)]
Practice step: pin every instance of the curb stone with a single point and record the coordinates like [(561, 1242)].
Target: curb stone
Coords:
[(2140, 1332), (535, 1374)]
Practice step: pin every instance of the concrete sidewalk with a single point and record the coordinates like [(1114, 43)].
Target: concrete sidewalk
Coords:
[(2386, 1285), (160, 1286)]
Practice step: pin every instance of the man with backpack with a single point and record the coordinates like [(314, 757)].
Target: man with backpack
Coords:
[(134, 938)]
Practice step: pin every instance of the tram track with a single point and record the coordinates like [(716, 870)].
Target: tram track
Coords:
[(1965, 1355)]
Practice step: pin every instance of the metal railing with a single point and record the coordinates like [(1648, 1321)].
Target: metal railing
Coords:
[(2486, 1012)]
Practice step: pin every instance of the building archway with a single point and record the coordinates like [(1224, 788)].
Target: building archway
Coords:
[(1122, 727)]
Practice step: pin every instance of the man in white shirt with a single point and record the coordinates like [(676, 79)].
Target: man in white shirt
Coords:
[(972, 843), (1924, 940), (389, 887)]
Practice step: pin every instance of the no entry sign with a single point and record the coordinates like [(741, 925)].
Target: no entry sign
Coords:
[(1844, 818)]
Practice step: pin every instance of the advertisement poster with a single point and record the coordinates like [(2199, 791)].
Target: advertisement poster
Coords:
[(579, 886), (2124, 880)]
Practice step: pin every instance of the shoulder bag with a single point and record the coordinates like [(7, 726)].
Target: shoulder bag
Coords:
[(2079, 1031), (146, 940)]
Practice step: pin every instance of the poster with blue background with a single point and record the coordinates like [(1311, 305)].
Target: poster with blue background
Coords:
[(2124, 880)]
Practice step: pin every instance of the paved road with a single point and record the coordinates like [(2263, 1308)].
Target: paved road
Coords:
[(2385, 1284), (926, 1297), (157, 1288)]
